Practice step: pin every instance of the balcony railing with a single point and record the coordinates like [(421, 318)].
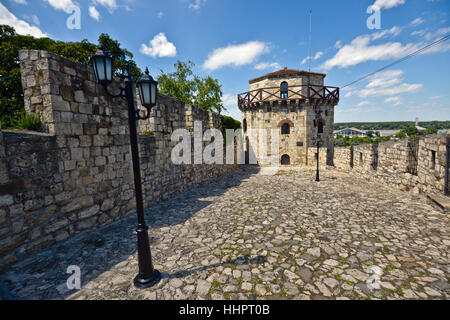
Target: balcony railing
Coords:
[(301, 92)]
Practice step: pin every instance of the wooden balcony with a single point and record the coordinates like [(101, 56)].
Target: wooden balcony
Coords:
[(292, 94)]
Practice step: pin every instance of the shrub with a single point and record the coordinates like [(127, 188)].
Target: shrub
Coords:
[(27, 121)]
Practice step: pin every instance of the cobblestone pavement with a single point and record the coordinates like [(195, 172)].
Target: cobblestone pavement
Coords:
[(254, 236)]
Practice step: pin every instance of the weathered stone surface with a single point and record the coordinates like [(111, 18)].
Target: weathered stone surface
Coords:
[(203, 251)]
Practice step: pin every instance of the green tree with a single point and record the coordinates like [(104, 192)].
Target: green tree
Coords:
[(431, 130), (179, 84), (183, 85), (208, 94), (11, 95), (120, 56)]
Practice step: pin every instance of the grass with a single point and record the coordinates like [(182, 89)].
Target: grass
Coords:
[(26, 121), (148, 133)]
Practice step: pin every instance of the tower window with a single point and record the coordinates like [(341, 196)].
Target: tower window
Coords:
[(244, 124), (320, 127), (284, 90), (285, 129), (433, 160), (285, 159)]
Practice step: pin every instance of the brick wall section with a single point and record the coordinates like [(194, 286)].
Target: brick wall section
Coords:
[(417, 166), (78, 175), (342, 158), (431, 165), (365, 157)]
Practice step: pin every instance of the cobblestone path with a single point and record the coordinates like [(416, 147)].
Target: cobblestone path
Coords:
[(254, 236)]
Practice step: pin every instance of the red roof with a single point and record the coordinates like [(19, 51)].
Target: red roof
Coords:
[(285, 72)]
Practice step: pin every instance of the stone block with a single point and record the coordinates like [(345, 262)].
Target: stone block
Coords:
[(87, 213), (56, 225), (6, 200), (77, 204)]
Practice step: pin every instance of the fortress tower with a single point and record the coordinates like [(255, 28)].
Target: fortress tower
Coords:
[(298, 106)]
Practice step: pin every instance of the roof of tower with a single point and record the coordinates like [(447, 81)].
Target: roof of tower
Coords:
[(287, 72)]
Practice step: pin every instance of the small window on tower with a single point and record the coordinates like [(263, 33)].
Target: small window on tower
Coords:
[(320, 128), (284, 90), (285, 129)]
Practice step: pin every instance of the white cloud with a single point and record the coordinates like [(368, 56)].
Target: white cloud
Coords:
[(439, 32), (360, 50), (267, 65), (417, 22), (94, 13), (387, 83), (316, 56), (338, 44), (111, 5), (385, 79), (62, 5), (196, 4), (418, 33), (390, 91), (20, 1), (159, 47), (394, 100), (388, 4), (394, 31), (363, 103), (160, 14), (229, 100), (21, 27), (235, 55)]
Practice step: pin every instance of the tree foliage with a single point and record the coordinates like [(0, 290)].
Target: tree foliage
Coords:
[(394, 125), (11, 95), (183, 85), (345, 141)]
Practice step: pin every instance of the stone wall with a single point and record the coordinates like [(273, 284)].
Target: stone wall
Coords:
[(78, 176), (343, 158), (431, 164), (417, 166)]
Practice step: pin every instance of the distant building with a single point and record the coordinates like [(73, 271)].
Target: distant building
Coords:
[(298, 107), (419, 127), (350, 132), (387, 133)]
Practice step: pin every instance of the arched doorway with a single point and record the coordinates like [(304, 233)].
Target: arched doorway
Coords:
[(285, 160), (285, 128)]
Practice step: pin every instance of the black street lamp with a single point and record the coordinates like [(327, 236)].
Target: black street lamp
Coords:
[(319, 142), (102, 64)]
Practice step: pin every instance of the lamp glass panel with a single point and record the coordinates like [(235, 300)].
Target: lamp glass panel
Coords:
[(95, 69), (108, 69), (100, 68), (153, 93)]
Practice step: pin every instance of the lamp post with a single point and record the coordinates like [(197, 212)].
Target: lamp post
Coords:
[(319, 124), (318, 146), (102, 64)]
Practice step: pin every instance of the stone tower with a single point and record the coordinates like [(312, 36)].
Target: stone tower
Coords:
[(298, 107)]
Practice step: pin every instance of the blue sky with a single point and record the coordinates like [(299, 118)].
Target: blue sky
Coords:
[(236, 40)]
